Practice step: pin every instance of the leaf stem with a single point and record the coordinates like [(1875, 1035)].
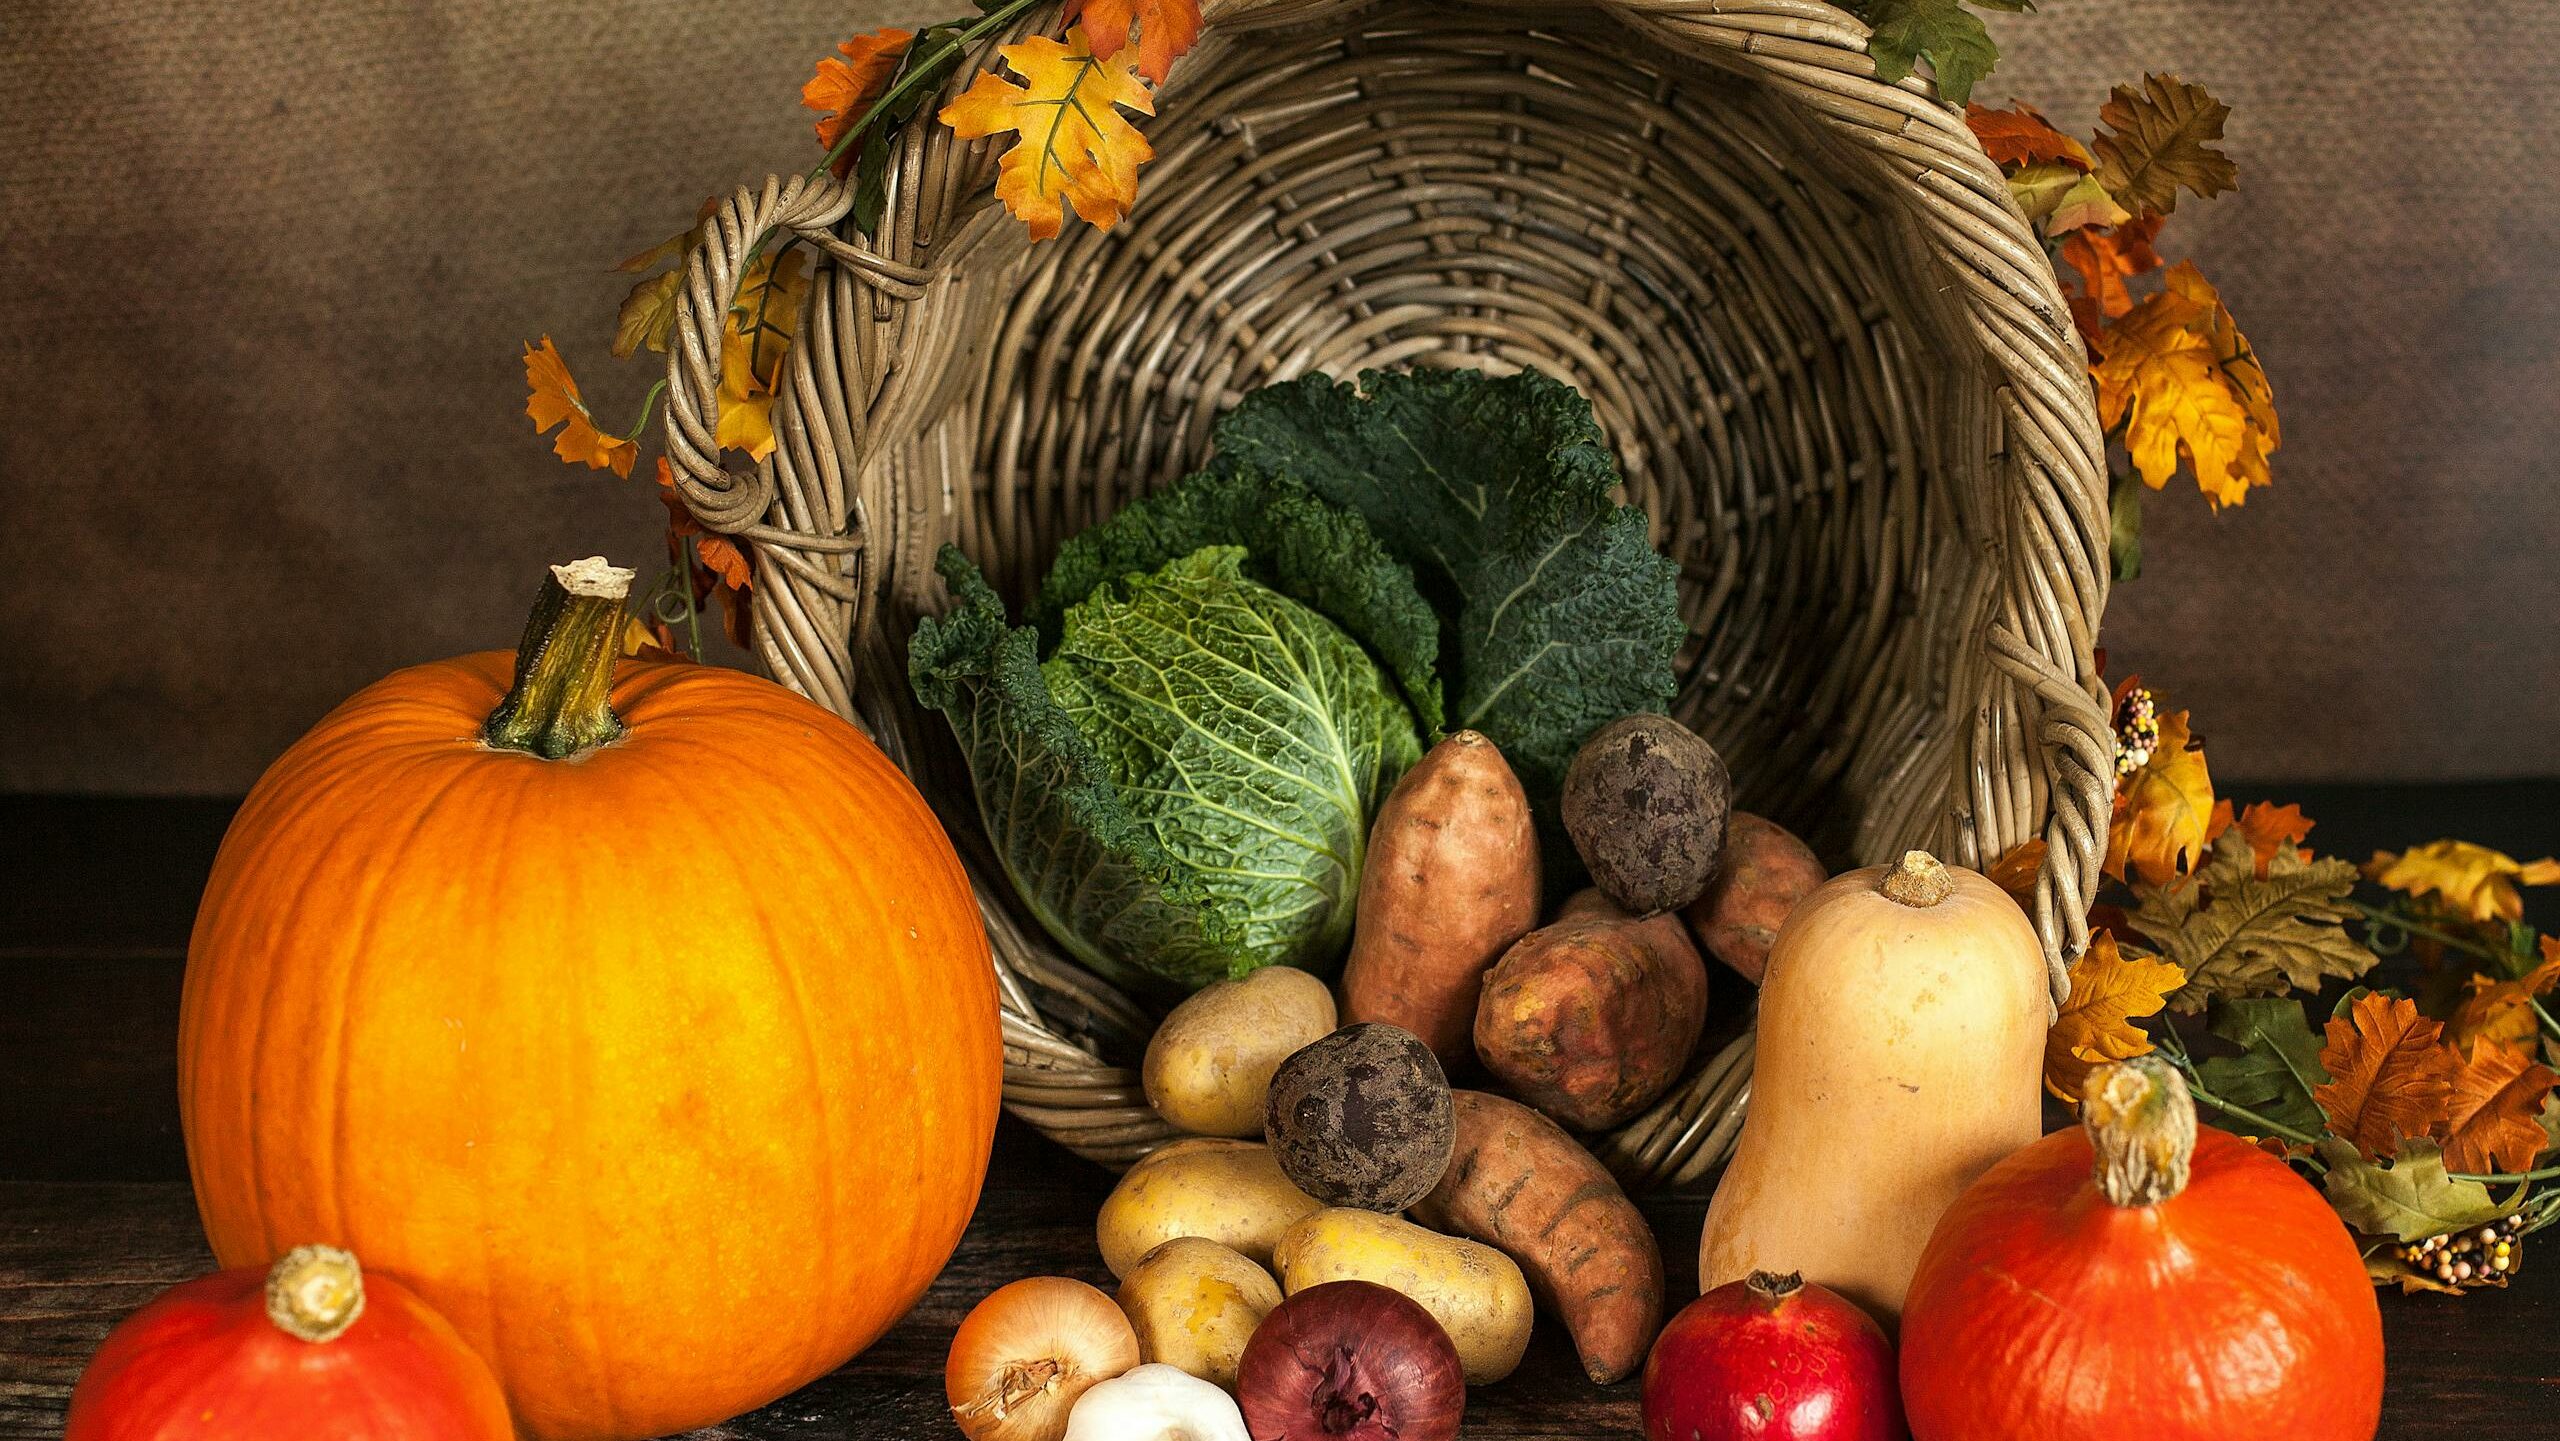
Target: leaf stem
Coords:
[(2506, 1178), (2404, 922), (2177, 1053), (648, 407), (921, 70)]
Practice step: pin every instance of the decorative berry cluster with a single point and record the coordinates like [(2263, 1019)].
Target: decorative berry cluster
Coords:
[(2137, 723), (2483, 1257)]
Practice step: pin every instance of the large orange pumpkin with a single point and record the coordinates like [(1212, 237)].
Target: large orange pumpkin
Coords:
[(650, 1036)]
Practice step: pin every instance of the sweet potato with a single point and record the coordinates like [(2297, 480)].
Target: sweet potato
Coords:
[(1451, 880), (1526, 1188), (1766, 871), (1592, 1018)]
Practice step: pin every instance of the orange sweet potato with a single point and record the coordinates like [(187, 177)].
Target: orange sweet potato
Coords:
[(1592, 1018), (1519, 1184), (1766, 871), (1451, 880)]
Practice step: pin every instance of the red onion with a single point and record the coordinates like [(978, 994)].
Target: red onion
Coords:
[(1351, 1361)]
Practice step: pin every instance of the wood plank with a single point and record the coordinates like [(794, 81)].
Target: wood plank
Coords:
[(76, 1258)]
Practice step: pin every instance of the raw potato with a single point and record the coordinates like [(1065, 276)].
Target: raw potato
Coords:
[(1593, 1018), (1766, 872), (1520, 1184), (1645, 802), (1475, 1292), (1230, 1192), (1194, 1303), (1451, 881), (1361, 1118), (1212, 1059)]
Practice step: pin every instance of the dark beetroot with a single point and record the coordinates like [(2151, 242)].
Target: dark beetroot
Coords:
[(1350, 1361), (1771, 1359)]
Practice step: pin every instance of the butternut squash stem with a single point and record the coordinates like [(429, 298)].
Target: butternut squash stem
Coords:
[(2142, 1125), (315, 1293), (1920, 881), (562, 700)]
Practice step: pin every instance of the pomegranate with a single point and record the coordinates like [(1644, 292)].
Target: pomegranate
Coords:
[(1771, 1359)]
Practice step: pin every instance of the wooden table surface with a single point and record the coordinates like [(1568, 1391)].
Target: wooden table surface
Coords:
[(95, 1215)]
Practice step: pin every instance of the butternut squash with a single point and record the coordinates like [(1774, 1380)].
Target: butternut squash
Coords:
[(1902, 1028)]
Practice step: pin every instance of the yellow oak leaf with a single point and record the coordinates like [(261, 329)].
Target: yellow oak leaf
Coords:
[(2268, 828), (2390, 1076), (2475, 882), (2162, 372), (2493, 1122), (1076, 148), (648, 314), (2500, 1013), (553, 399), (1167, 29), (2160, 825), (2022, 136), (2109, 990), (843, 89), (2161, 140)]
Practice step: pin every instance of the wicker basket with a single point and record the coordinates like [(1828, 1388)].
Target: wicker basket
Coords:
[(1830, 355)]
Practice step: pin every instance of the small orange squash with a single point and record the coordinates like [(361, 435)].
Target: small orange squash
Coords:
[(313, 1347), (665, 1128)]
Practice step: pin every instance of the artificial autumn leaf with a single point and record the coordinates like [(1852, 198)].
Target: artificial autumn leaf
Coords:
[(2279, 1062), (2158, 829), (648, 314), (650, 640), (2022, 136), (843, 90), (2236, 933), (753, 350), (553, 399), (2085, 206), (2108, 990), (1943, 32), (720, 555), (2107, 259), (2268, 828), (2017, 869), (2474, 882), (2162, 372), (2040, 187), (2161, 140), (1167, 29), (2499, 1014), (2491, 1123), (1076, 149), (2411, 1199), (2390, 1074)]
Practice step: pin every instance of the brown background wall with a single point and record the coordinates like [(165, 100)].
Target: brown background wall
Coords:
[(264, 271)]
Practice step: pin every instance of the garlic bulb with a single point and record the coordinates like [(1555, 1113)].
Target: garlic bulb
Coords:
[(1155, 1402)]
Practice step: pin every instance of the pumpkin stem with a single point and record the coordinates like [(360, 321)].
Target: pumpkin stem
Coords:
[(562, 701), (1919, 882), (2142, 1124), (315, 1293)]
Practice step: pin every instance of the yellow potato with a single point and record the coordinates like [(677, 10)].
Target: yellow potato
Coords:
[(1230, 1192), (1475, 1292), (1212, 1059), (1194, 1304)]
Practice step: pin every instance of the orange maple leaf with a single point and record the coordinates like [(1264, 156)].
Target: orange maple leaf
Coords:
[(2022, 136), (2270, 829), (2492, 1124), (2178, 375), (2500, 1013), (553, 399), (2106, 259), (2160, 825), (1167, 29), (721, 555), (2391, 1077), (2109, 990), (2472, 881), (2017, 869), (843, 89), (1076, 149)]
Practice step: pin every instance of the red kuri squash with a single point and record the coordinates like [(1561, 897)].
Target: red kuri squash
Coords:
[(639, 1015), (313, 1347), (2141, 1277)]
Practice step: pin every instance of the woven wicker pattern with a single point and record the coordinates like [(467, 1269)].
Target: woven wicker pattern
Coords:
[(1831, 358)]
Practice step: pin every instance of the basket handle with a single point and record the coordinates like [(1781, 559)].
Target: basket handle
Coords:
[(808, 209)]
